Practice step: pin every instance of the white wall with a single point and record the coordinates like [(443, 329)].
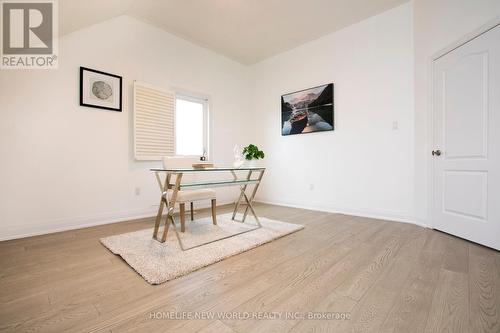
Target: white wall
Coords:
[(64, 166), (363, 167), (437, 24)]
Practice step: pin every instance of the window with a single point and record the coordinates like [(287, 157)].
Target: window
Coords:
[(191, 126), (168, 124)]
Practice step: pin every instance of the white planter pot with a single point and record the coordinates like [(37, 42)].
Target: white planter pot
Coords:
[(252, 163)]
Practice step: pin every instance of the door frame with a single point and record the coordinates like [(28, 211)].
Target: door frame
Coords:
[(430, 106)]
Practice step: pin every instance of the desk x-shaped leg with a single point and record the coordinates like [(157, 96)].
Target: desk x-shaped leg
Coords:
[(170, 204), (247, 199)]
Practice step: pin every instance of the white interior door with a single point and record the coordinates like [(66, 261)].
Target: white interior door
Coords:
[(466, 155)]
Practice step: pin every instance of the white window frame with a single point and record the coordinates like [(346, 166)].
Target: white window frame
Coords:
[(206, 121)]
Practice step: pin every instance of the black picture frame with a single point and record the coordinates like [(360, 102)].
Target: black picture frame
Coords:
[(316, 103), (87, 104)]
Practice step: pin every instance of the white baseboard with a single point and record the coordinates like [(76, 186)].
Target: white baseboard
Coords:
[(59, 225), (422, 223), (381, 215), (66, 224)]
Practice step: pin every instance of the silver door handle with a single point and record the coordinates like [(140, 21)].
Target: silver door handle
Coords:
[(436, 152)]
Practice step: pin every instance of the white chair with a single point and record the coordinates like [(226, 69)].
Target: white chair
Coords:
[(185, 196)]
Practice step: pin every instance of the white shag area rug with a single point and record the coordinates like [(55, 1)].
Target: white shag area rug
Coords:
[(159, 262)]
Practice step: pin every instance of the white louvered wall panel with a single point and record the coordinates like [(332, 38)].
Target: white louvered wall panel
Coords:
[(154, 111)]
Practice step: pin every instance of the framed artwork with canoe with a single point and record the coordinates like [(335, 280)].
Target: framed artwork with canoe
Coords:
[(307, 111)]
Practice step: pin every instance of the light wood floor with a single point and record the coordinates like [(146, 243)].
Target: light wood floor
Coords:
[(388, 276)]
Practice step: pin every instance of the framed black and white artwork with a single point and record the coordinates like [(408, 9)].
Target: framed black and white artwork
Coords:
[(100, 90), (307, 111)]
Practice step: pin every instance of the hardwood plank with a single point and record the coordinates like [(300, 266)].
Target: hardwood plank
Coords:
[(318, 295), (410, 310), (370, 312), (484, 289), (216, 327), (355, 288), (436, 243), (449, 311), (414, 245), (331, 303), (456, 255), (286, 287)]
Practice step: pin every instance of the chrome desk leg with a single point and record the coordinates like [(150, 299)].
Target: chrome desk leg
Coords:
[(247, 199), (158, 219), (236, 206), (249, 203), (171, 206), (170, 210), (163, 201), (261, 174)]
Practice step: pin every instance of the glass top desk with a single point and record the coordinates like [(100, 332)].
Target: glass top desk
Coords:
[(168, 183)]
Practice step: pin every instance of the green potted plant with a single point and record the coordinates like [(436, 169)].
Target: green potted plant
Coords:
[(252, 154)]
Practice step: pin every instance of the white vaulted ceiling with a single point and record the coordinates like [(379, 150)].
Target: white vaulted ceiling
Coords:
[(245, 30)]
